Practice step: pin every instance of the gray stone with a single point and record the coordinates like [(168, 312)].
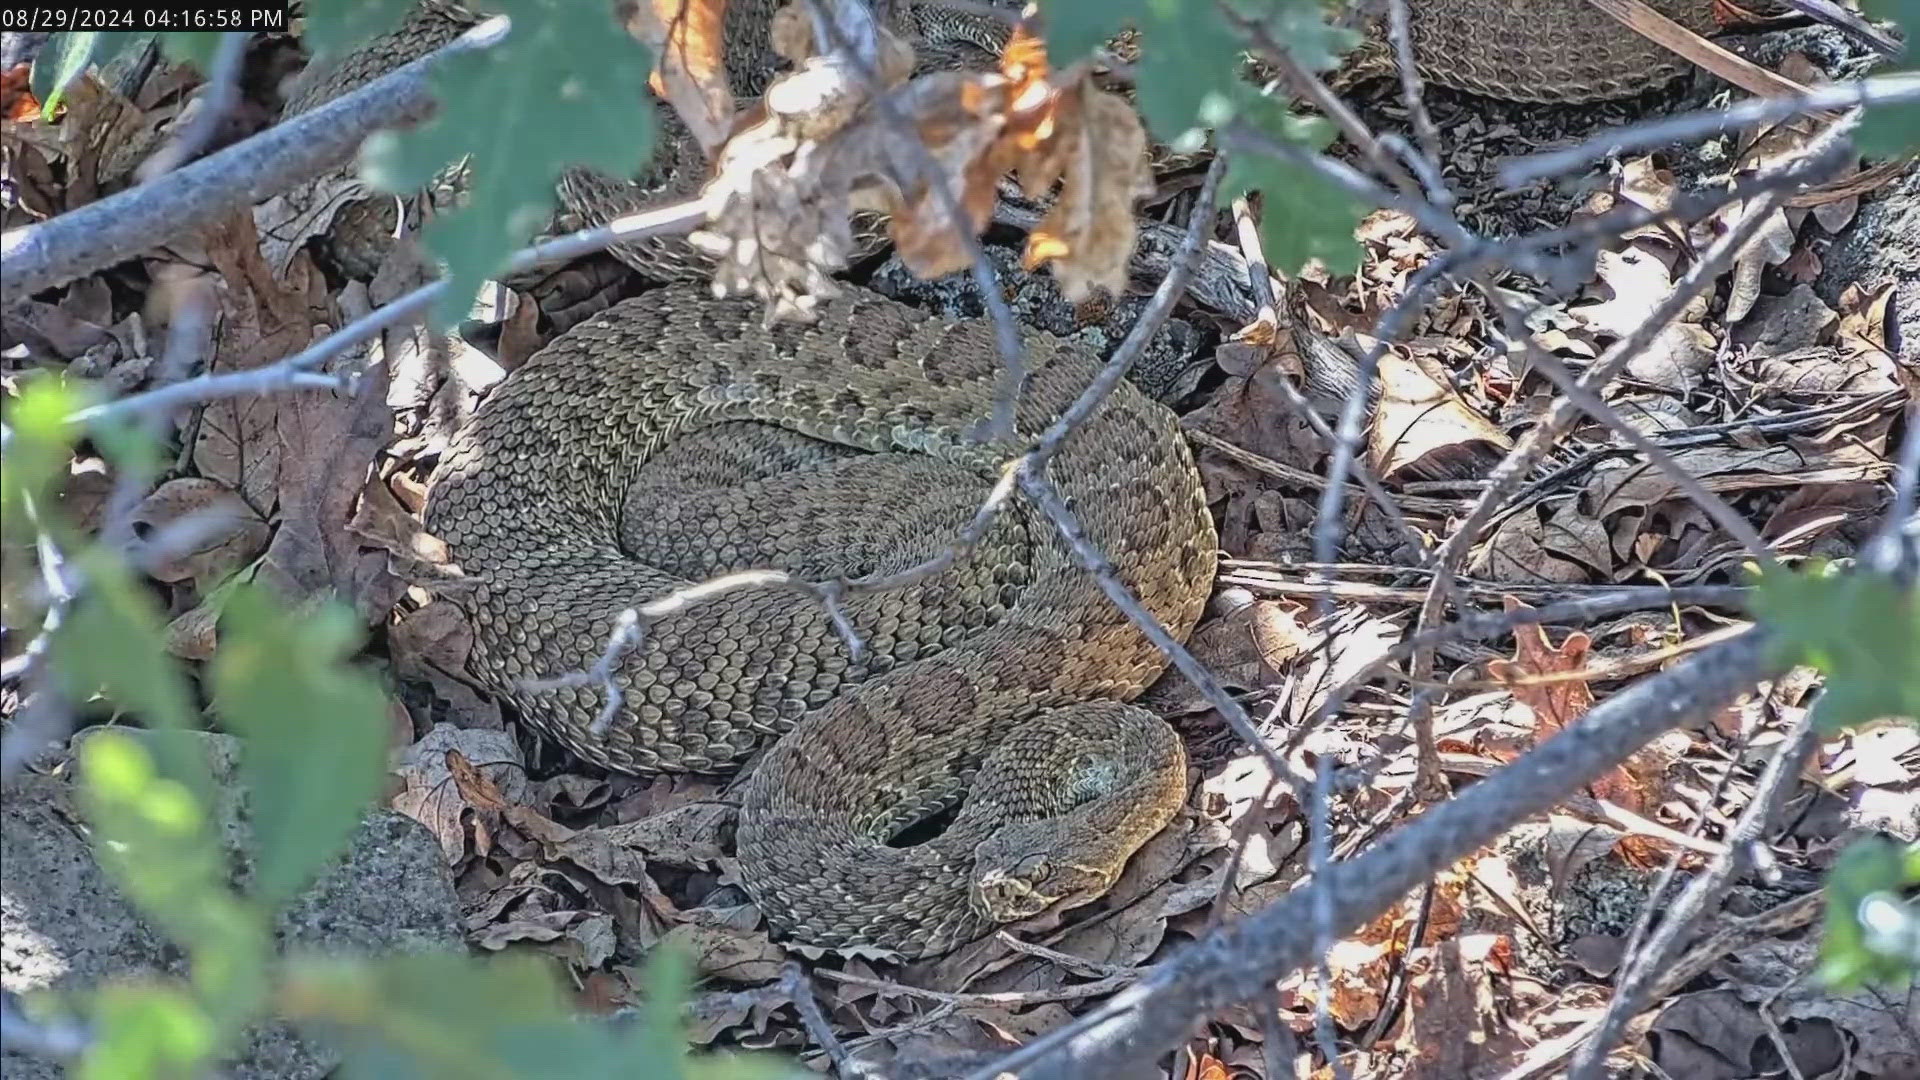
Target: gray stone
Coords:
[(65, 927), (1882, 245)]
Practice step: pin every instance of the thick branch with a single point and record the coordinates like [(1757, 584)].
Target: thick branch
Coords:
[(101, 234), (1244, 960)]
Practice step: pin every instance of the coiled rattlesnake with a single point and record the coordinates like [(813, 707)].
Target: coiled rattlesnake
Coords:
[(672, 438)]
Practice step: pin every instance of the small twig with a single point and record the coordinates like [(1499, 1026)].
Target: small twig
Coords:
[(1327, 525), (827, 23), (1078, 964), (1413, 94), (297, 371), (1316, 93), (217, 100), (1631, 993), (1030, 471), (1895, 549), (1241, 137), (1260, 279), (1880, 90), (799, 990), (631, 625), (1325, 931), (1076, 992)]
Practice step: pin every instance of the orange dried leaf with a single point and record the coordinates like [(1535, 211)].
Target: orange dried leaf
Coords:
[(17, 103), (1088, 235), (689, 39), (1561, 697), (959, 127)]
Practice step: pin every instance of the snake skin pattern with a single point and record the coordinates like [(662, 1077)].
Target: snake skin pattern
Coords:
[(673, 438)]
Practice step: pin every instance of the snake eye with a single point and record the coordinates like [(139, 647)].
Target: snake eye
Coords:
[(1033, 868)]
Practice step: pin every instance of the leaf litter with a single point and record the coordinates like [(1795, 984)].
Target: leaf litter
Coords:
[(1777, 395)]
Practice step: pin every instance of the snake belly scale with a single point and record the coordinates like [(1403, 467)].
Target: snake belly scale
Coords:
[(674, 437)]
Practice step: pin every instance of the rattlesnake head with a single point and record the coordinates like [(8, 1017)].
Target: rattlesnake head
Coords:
[(1022, 870)]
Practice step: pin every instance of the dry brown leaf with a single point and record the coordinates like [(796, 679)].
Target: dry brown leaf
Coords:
[(961, 121), (688, 38), (431, 644), (1548, 680), (1088, 234), (726, 951), (226, 531), (1421, 426), (821, 149), (1209, 1068), (382, 522), (585, 939), (1620, 486), (263, 319), (1556, 702), (430, 794), (690, 836)]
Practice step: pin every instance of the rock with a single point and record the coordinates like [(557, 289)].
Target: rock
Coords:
[(64, 925), (1882, 245)]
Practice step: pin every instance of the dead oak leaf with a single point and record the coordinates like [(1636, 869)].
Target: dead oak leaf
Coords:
[(1555, 701), (689, 39), (825, 147), (1100, 150), (431, 795), (217, 530), (1548, 680)]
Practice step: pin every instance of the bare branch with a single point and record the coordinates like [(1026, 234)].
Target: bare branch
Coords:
[(216, 101), (1632, 990), (630, 630), (1881, 90), (1242, 961), (101, 234), (296, 371)]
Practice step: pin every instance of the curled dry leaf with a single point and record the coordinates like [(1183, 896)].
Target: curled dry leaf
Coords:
[(1424, 428), (826, 146), (195, 528), (431, 795), (689, 38), (1093, 140)]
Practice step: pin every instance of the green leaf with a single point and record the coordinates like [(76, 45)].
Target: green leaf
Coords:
[(338, 26), (148, 1031), (1869, 878), (313, 730), (194, 47), (425, 1015), (1190, 54), (566, 88), (37, 452), (1303, 215), (499, 1018), (1862, 630), (1891, 131), (66, 55), (114, 643), (155, 835)]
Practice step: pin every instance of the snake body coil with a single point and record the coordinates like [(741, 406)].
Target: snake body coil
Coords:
[(673, 438)]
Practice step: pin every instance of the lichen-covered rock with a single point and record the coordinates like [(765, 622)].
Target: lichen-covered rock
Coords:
[(64, 925)]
